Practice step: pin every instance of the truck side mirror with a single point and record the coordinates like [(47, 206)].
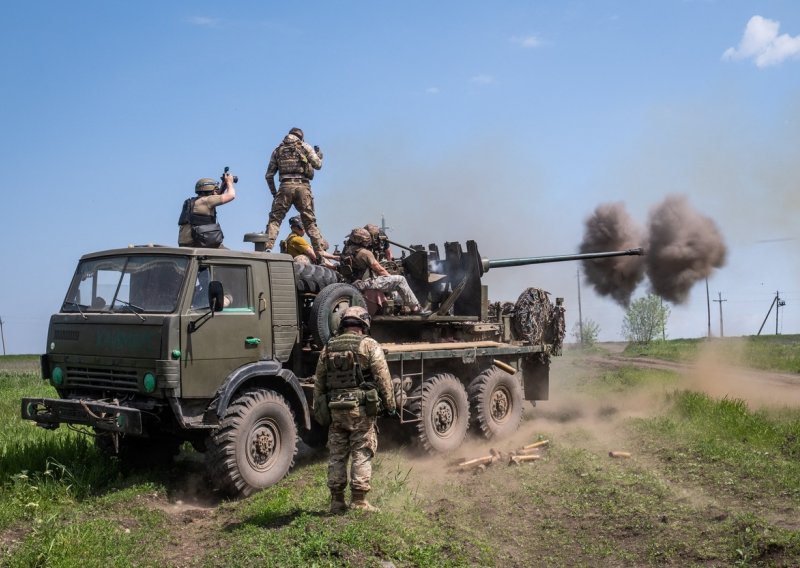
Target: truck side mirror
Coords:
[(216, 296)]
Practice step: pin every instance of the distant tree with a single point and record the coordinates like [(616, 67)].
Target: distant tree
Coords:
[(590, 333), (645, 319)]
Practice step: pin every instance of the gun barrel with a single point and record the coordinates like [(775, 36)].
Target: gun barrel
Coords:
[(409, 249), (507, 262)]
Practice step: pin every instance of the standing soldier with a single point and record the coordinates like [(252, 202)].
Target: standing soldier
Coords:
[(197, 224), (353, 379), (295, 161)]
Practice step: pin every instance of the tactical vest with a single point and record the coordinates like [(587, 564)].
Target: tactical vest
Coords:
[(292, 160), (189, 216), (352, 267), (341, 360)]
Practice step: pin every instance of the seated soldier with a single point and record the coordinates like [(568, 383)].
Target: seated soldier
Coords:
[(300, 249), (368, 274), (380, 244)]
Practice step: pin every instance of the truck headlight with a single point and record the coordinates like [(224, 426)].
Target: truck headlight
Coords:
[(149, 382), (57, 376)]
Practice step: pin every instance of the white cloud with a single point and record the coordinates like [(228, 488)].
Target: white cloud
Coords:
[(203, 21), (482, 79), (762, 43), (432, 90), (527, 42)]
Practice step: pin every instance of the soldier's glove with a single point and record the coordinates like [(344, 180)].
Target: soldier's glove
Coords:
[(318, 151)]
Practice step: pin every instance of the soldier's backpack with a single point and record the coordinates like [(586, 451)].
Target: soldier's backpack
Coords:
[(186, 211), (292, 159)]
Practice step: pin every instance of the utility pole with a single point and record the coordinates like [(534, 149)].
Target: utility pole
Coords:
[(384, 228), (778, 303), (708, 303), (3, 337), (721, 329), (580, 313)]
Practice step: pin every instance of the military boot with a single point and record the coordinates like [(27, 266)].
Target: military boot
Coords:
[(337, 502), (359, 501)]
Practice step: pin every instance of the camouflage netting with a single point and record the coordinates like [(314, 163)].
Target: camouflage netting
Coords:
[(537, 320)]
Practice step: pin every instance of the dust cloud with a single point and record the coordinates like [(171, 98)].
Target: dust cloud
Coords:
[(719, 376), (682, 247), (685, 247), (611, 228)]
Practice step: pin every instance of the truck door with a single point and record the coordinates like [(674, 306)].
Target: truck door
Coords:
[(212, 346)]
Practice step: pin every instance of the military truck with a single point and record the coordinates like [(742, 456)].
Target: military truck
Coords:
[(156, 346)]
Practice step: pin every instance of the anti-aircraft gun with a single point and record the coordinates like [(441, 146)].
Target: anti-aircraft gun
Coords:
[(451, 285)]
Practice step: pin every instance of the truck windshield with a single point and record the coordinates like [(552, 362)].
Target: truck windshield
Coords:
[(131, 284)]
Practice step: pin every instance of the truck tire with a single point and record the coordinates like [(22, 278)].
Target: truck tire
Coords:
[(443, 408), (496, 402), (327, 309), (255, 444), (313, 278)]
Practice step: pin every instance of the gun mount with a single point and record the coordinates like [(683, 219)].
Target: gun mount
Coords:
[(453, 284)]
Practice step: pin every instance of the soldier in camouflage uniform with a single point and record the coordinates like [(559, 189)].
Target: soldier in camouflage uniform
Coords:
[(380, 244), (353, 377), (295, 161), (369, 274)]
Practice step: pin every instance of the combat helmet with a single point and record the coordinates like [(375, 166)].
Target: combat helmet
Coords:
[(360, 236), (356, 315), (373, 230), (297, 132), (296, 221), (205, 185)]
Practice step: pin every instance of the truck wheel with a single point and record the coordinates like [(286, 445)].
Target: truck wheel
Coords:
[(255, 444), (328, 307), (444, 411), (139, 453), (496, 400)]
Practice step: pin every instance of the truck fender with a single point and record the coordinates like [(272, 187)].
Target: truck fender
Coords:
[(272, 369)]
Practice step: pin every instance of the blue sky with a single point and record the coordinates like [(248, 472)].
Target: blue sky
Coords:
[(505, 122)]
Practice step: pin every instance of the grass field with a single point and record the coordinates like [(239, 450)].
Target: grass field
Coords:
[(768, 352), (711, 482)]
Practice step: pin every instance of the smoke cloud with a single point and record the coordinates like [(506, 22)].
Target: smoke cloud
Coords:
[(681, 247), (685, 247), (611, 228)]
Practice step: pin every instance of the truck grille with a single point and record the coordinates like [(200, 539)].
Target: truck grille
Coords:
[(103, 378)]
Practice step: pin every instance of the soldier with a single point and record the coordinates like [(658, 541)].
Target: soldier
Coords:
[(367, 272), (380, 244), (200, 212), (299, 248), (295, 161), (352, 377)]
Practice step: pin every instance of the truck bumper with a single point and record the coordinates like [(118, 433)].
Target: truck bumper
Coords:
[(51, 412)]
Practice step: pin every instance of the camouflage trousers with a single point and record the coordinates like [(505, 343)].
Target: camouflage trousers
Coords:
[(352, 434), (393, 282), (297, 193)]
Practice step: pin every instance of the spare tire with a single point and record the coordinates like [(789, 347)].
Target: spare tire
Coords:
[(328, 307), (313, 278)]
